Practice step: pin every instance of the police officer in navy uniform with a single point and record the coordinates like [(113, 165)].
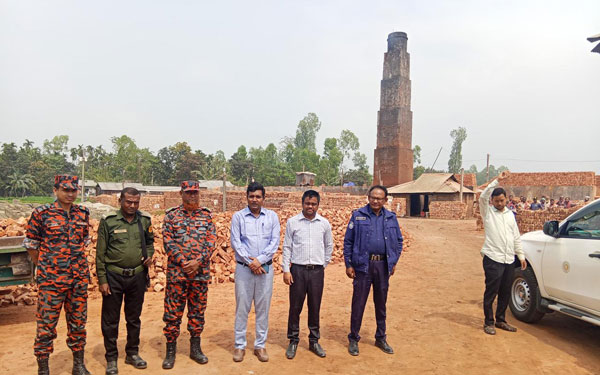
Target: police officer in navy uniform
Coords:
[(372, 246), (122, 272)]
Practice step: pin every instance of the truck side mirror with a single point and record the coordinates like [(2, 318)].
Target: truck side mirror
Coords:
[(551, 228)]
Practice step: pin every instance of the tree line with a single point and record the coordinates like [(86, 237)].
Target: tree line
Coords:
[(28, 169)]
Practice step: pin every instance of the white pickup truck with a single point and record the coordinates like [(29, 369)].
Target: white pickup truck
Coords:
[(563, 272)]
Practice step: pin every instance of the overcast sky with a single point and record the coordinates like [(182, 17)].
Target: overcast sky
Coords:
[(518, 75)]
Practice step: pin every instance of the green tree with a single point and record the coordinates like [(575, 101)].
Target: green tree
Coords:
[(329, 163), (348, 144), (455, 161), (306, 134), (20, 183), (241, 166)]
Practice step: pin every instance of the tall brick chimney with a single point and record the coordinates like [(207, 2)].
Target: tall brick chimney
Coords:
[(393, 155)]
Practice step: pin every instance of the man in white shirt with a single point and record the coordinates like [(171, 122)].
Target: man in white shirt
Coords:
[(307, 249), (502, 243)]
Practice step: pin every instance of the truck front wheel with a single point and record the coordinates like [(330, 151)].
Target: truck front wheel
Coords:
[(525, 296)]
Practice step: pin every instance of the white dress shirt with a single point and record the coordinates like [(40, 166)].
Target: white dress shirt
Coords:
[(502, 237), (307, 241)]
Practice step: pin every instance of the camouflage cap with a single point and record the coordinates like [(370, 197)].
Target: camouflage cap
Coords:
[(66, 181), (190, 185)]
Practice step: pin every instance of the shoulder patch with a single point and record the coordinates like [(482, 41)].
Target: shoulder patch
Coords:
[(169, 210), (109, 214), (43, 207), (351, 225), (205, 209), (146, 214)]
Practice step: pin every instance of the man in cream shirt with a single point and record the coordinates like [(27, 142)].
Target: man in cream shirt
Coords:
[(502, 243)]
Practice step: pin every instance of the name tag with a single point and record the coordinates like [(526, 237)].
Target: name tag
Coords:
[(117, 231), (361, 218), (52, 225), (81, 223)]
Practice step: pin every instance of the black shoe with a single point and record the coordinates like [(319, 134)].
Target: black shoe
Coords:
[(290, 353), (169, 360), (136, 361), (353, 347), (196, 351), (317, 349), (111, 368), (78, 364), (383, 345), (43, 368)]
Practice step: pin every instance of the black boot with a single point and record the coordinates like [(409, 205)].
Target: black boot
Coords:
[(43, 368), (196, 352), (169, 361), (78, 365)]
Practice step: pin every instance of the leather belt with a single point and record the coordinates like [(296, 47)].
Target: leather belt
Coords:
[(308, 266), (125, 271), (245, 265), (377, 257)]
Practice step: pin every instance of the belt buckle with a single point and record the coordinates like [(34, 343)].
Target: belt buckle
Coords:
[(310, 266), (128, 271)]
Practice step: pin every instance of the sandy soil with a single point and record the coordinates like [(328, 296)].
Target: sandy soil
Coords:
[(434, 325)]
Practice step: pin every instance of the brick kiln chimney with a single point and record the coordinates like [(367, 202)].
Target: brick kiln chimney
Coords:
[(393, 155)]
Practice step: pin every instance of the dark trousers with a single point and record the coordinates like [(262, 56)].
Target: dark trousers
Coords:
[(498, 279), (307, 282), (379, 277), (131, 289)]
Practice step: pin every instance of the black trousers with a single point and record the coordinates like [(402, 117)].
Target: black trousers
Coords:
[(378, 276), (307, 282), (498, 280), (131, 289)]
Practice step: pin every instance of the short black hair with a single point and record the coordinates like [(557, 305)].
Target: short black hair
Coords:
[(254, 186), (311, 194), (130, 191), (499, 191), (380, 187)]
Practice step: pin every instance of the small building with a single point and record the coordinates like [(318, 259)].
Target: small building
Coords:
[(436, 194), (116, 187), (160, 190), (305, 179), (89, 189), (213, 184)]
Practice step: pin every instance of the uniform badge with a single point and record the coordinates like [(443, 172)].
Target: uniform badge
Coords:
[(361, 218), (351, 225), (150, 229), (120, 231)]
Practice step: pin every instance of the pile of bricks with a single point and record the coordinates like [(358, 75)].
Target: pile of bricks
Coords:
[(529, 221), (222, 262), (454, 210), (551, 179)]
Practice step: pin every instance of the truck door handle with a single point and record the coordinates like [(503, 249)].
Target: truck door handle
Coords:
[(594, 255)]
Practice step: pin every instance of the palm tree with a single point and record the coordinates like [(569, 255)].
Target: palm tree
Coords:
[(20, 182)]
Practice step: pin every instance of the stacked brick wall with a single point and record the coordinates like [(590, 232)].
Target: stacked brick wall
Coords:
[(152, 203), (453, 210), (529, 221), (597, 185), (111, 200), (469, 180), (551, 179)]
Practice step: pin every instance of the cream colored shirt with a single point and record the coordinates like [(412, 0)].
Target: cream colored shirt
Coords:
[(502, 238)]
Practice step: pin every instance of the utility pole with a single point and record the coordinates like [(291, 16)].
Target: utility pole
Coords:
[(462, 182), (436, 158), (224, 189), (488, 168), (82, 175)]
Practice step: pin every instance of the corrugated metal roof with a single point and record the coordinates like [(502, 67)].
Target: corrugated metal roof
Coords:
[(116, 186), (212, 184), (429, 183), (161, 189)]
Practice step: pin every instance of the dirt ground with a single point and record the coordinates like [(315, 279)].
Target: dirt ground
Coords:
[(434, 325)]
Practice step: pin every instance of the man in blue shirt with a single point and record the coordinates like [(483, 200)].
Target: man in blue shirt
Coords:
[(255, 239), (372, 246)]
